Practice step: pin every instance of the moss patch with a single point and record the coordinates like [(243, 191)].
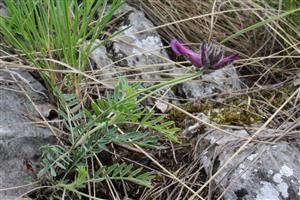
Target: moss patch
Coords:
[(235, 113)]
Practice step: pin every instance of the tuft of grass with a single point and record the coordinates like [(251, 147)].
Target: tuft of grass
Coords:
[(56, 30)]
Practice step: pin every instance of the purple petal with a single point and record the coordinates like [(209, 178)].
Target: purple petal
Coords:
[(178, 48), (226, 61), (203, 59), (195, 59), (192, 56)]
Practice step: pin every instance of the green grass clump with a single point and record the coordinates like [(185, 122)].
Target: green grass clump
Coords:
[(57, 30)]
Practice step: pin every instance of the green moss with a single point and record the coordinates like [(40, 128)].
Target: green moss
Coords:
[(233, 115), (237, 112)]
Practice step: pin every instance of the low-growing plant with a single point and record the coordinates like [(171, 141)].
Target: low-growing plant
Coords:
[(92, 131)]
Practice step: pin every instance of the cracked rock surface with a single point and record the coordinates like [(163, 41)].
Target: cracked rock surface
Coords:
[(20, 138), (259, 172)]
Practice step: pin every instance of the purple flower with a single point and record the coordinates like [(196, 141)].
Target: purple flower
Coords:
[(210, 55)]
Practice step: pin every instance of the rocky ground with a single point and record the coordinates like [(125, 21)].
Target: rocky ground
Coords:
[(21, 131), (263, 169)]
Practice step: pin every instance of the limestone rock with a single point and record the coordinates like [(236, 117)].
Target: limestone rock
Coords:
[(222, 80), (20, 139), (131, 52), (138, 49), (261, 171), (101, 58)]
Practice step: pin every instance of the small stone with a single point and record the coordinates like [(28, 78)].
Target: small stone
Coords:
[(163, 107)]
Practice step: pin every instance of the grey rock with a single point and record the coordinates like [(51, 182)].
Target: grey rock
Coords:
[(20, 139), (99, 56), (222, 80), (131, 52), (261, 171), (138, 49)]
